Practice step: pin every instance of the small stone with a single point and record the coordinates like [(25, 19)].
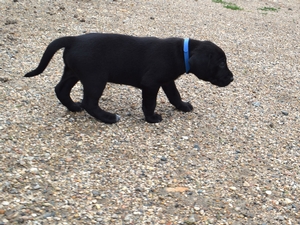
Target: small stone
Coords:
[(196, 147), (232, 188), (68, 159), (34, 170), (280, 218), (163, 158), (268, 192), (200, 191), (287, 201), (2, 211), (114, 216), (36, 187), (185, 137), (22, 162), (196, 208), (14, 191), (191, 219), (99, 213), (246, 184), (138, 189), (95, 193), (211, 220), (256, 104), (49, 214), (6, 203), (127, 217), (284, 112)]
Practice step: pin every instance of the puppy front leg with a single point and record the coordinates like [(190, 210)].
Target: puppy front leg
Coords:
[(175, 98), (149, 103)]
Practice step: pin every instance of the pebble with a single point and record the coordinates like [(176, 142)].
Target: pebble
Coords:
[(127, 217), (191, 219), (6, 203), (49, 214), (197, 208), (95, 193), (68, 159), (196, 147), (285, 113), (268, 192), (280, 218), (256, 104), (34, 170), (232, 188), (114, 216), (36, 187), (246, 184), (163, 158), (200, 191), (287, 201)]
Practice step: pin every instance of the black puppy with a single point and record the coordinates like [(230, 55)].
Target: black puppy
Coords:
[(147, 63)]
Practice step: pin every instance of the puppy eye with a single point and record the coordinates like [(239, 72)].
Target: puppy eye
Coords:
[(222, 65)]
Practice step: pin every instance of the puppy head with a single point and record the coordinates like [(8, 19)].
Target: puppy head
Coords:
[(208, 63)]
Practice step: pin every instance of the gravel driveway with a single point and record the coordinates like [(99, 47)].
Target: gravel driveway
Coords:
[(234, 160)]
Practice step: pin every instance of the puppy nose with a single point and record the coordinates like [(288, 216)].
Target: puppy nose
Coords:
[(231, 79)]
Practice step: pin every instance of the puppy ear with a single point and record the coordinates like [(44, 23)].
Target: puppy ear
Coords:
[(192, 60), (209, 57), (199, 62)]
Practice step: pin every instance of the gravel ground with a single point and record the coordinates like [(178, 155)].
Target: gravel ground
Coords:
[(233, 160)]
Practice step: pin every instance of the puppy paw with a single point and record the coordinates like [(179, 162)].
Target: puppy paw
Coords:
[(155, 118), (110, 118), (76, 107), (185, 107)]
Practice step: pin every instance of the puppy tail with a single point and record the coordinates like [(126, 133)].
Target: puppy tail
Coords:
[(52, 48)]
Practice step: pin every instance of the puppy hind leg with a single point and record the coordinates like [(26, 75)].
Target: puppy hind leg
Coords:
[(63, 90), (90, 103), (175, 98)]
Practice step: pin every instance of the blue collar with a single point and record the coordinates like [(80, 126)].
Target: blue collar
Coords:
[(186, 54)]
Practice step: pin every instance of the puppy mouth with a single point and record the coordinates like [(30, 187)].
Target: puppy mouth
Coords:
[(222, 83)]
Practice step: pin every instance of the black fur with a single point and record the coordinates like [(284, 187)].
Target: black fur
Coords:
[(147, 63)]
